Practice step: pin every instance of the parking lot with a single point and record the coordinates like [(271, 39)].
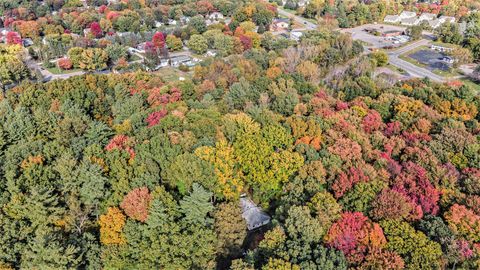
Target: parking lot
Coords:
[(431, 59), (364, 33)]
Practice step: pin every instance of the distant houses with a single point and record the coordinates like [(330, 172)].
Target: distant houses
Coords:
[(409, 18)]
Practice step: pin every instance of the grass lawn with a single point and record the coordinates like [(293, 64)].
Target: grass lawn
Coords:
[(452, 73), (56, 70), (470, 83), (170, 74), (134, 57), (395, 69)]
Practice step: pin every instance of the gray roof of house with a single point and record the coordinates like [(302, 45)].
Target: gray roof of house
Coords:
[(409, 20), (391, 18), (253, 215)]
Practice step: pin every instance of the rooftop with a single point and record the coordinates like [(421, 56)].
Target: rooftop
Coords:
[(253, 215)]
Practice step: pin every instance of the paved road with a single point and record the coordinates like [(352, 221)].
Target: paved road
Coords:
[(413, 70), (309, 25)]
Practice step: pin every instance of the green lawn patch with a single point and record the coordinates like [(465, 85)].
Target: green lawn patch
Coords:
[(57, 71), (134, 57), (471, 83), (170, 74)]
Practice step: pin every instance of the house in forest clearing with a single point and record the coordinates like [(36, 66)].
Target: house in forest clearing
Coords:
[(253, 215)]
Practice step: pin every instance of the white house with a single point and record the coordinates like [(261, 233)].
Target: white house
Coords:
[(86, 32), (407, 15), (280, 24), (216, 16), (184, 19), (435, 23), (296, 35), (210, 53), (410, 21), (172, 22), (158, 24), (303, 3), (176, 61), (427, 17), (392, 19), (444, 19)]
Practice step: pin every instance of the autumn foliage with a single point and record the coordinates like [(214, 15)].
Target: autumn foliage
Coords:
[(355, 235), (64, 63), (121, 142), (136, 203), (111, 226)]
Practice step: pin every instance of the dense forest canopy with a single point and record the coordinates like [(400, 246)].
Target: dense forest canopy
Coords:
[(130, 171)]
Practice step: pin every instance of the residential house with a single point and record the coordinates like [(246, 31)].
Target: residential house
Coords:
[(179, 60), (407, 15), (392, 19), (253, 215), (86, 32), (427, 17), (444, 19), (296, 35), (280, 24), (410, 21), (172, 22), (27, 42), (3, 35), (158, 24), (434, 24), (209, 22), (163, 63), (303, 3), (184, 19), (210, 53), (216, 16)]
